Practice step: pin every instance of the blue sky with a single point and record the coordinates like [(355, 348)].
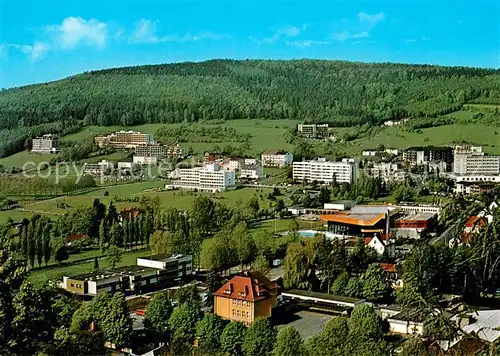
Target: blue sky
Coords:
[(48, 40)]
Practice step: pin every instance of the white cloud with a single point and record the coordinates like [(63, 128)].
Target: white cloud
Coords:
[(288, 31), (146, 31), (372, 19), (34, 52), (306, 43), (420, 39), (38, 50), (346, 35), (76, 30)]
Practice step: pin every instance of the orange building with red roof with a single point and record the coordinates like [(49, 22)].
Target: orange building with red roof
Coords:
[(246, 297)]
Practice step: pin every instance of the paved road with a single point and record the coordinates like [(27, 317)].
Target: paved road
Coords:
[(38, 211)]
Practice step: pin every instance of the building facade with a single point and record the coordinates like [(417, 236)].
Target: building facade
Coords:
[(387, 172), (47, 143), (276, 159), (209, 178), (319, 131), (251, 171), (150, 150), (100, 168), (422, 155), (124, 139), (472, 160), (246, 297), (321, 170), (174, 151), (145, 160), (150, 272)]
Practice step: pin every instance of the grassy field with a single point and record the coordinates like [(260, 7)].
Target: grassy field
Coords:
[(396, 137), (178, 199), (266, 134), (18, 159)]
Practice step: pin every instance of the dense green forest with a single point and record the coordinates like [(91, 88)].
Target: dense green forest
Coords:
[(341, 93)]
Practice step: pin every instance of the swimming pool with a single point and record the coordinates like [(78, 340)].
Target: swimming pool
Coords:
[(309, 233)]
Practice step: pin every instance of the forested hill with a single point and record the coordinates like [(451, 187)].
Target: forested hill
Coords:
[(341, 93)]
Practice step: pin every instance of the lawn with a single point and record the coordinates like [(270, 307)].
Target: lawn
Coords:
[(17, 215), (266, 134), (19, 159), (177, 198), (396, 137)]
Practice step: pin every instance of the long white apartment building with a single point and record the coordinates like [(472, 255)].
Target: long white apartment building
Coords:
[(211, 177), (321, 170), (472, 160)]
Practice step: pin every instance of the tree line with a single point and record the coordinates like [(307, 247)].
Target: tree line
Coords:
[(340, 93)]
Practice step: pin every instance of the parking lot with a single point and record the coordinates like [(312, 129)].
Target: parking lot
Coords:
[(306, 322)]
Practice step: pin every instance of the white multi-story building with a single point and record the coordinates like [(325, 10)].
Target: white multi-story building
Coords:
[(210, 178), (231, 164), (321, 170), (149, 160), (469, 160), (478, 178), (387, 172), (251, 171), (47, 143), (100, 168), (276, 159), (313, 130)]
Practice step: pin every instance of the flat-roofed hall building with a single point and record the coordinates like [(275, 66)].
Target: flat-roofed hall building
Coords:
[(149, 272), (246, 297)]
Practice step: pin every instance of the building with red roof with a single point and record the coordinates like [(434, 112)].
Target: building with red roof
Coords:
[(246, 297)]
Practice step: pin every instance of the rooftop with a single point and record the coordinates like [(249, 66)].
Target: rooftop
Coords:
[(282, 152), (164, 257), (249, 286), (474, 221), (388, 267), (332, 297), (429, 148), (416, 217), (103, 274), (354, 219)]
